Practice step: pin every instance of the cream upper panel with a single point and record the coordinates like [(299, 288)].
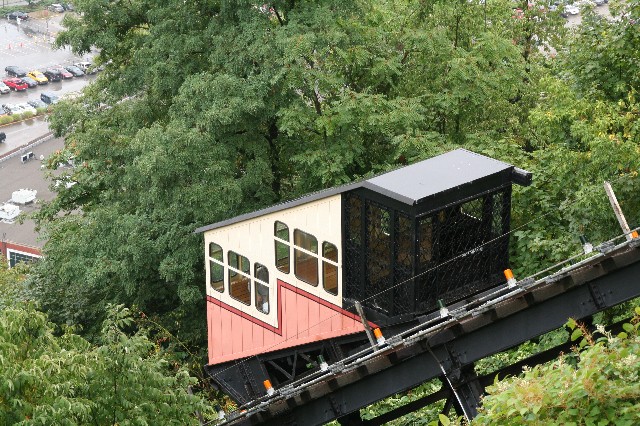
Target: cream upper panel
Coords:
[(254, 239)]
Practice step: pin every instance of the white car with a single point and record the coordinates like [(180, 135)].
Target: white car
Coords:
[(4, 89), (26, 107), (12, 109), (86, 67), (572, 9)]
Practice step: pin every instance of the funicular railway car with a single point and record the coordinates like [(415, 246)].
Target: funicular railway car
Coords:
[(282, 281)]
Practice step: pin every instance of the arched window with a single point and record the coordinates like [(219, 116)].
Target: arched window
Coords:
[(330, 267), (216, 267), (261, 275), (283, 250), (239, 278), (305, 256)]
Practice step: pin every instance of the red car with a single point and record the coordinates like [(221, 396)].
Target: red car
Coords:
[(64, 73), (16, 84)]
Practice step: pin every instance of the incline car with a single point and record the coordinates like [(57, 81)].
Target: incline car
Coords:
[(38, 76), (281, 282), (16, 84)]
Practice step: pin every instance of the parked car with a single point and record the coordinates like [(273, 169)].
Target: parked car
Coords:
[(37, 103), (17, 15), (29, 81), (14, 71), (38, 76), (3, 137), (56, 7), (26, 107), (68, 7), (86, 67), (16, 84), (572, 9), (64, 73), (12, 109), (52, 74), (4, 89), (77, 72), (49, 98)]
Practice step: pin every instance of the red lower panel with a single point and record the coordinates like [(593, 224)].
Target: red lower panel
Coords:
[(302, 318)]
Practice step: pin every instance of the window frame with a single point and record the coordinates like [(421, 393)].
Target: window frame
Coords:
[(308, 253), (213, 260), (285, 243), (331, 263), (243, 274)]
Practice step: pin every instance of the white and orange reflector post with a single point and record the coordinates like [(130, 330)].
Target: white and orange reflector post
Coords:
[(268, 387), (444, 311), (511, 281), (379, 337), (221, 414), (587, 247), (323, 364)]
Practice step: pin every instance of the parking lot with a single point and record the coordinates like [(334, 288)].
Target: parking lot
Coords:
[(28, 44)]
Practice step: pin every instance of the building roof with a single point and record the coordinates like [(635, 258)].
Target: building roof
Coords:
[(410, 184)]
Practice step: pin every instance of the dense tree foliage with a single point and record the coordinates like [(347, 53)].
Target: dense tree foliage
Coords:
[(212, 108), (595, 386), (53, 376)]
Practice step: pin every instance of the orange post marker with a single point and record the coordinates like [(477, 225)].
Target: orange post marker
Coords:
[(268, 387), (508, 274), (379, 337), (634, 234)]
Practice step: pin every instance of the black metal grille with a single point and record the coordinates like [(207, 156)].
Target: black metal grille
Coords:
[(453, 253), (353, 263), (378, 256), (468, 251)]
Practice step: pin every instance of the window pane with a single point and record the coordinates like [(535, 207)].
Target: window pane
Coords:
[(282, 257), (240, 287), (281, 231), (215, 252), (330, 251), (306, 267), (262, 298), (239, 262), (216, 272), (261, 272), (330, 277), (306, 241)]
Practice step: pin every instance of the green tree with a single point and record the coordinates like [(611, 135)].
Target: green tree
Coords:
[(596, 386), (48, 378), (211, 109)]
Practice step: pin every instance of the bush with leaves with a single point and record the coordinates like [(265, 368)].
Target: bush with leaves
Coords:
[(597, 385), (46, 378)]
